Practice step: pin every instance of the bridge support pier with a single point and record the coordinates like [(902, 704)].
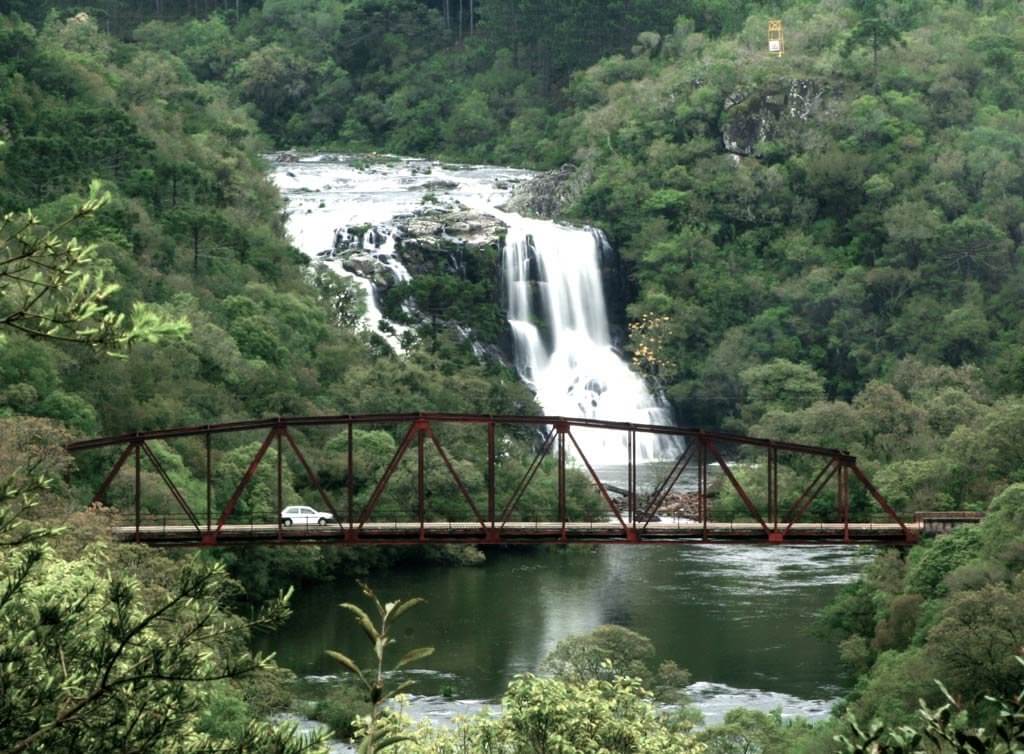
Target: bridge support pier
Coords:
[(775, 537)]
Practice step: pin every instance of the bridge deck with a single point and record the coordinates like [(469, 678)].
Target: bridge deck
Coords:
[(469, 532)]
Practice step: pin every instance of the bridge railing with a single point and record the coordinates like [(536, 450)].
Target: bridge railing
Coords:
[(364, 481)]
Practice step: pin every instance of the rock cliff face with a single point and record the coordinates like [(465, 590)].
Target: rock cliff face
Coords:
[(615, 281), (753, 117), (366, 250), (447, 238), (443, 240), (549, 195), (434, 240), (450, 237)]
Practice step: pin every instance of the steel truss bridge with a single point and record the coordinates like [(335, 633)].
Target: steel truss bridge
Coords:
[(492, 516)]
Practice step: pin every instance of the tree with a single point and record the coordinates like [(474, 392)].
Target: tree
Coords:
[(343, 297), (549, 715), (54, 288), (259, 501), (943, 728), (90, 655), (974, 640), (781, 385), (612, 651), (649, 336), (746, 731), (605, 652), (274, 78), (874, 30)]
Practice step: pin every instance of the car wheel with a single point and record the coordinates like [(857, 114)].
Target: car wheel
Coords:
[(322, 522), (286, 522)]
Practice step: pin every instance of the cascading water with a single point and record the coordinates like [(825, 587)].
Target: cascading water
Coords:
[(552, 273), (559, 319)]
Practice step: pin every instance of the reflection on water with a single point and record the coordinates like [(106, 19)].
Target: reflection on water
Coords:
[(739, 618)]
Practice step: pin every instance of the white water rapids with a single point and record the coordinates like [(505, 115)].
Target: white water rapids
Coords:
[(552, 277)]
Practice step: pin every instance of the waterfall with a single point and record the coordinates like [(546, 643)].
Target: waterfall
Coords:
[(563, 346), (552, 275)]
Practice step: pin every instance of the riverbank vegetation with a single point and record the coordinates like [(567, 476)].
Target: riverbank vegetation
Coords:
[(829, 243)]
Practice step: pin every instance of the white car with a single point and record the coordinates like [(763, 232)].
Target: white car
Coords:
[(303, 514)]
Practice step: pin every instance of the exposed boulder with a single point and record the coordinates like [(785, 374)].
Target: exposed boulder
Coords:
[(449, 236), (752, 118), (358, 237), (549, 195), (677, 504), (447, 240), (373, 268), (439, 184), (367, 251)]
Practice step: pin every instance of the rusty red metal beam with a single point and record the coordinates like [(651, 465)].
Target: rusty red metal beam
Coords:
[(382, 483), (496, 525), (873, 491), (539, 421), (311, 475), (101, 492), (250, 472), (601, 488), (455, 477), (737, 486), (538, 459), (549, 533), (810, 494), (175, 493), (661, 492)]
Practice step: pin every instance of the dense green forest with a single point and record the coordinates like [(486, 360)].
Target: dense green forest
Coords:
[(824, 247)]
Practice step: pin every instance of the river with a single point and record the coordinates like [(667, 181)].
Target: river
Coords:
[(739, 618)]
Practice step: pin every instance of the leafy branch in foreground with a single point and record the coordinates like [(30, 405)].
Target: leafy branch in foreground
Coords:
[(55, 288), (89, 656), (380, 731), (945, 729)]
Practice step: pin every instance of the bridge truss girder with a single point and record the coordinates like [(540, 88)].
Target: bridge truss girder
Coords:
[(630, 521)]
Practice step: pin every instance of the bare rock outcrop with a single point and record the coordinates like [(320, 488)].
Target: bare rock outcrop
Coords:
[(549, 195), (753, 117)]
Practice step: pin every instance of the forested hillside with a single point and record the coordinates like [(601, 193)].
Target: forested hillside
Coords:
[(193, 229), (823, 246)]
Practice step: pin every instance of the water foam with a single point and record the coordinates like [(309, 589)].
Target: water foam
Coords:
[(557, 309)]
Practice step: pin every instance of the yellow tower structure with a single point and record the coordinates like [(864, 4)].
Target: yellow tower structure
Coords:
[(776, 43)]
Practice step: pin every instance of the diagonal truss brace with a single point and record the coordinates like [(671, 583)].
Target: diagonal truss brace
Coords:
[(660, 494), (736, 485), (528, 476)]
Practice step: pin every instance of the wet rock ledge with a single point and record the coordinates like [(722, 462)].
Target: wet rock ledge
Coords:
[(549, 195)]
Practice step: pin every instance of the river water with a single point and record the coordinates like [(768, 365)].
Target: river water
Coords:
[(739, 618)]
